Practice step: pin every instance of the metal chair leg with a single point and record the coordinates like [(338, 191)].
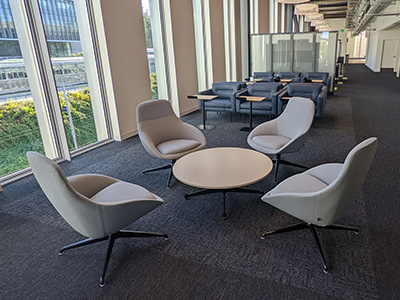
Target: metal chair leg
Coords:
[(316, 238), (314, 232), (109, 251), (169, 166), (286, 229), (341, 227), (81, 243)]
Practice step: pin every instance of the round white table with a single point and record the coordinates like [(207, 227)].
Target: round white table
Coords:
[(222, 170)]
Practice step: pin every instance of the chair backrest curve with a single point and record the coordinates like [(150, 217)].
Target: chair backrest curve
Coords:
[(154, 109), (81, 213), (297, 117), (335, 198)]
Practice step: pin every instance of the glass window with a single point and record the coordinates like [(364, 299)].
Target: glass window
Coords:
[(19, 128), (150, 47), (68, 63)]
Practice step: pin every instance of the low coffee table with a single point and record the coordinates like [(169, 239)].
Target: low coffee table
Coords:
[(222, 170)]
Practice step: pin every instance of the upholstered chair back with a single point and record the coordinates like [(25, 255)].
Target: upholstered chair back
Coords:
[(264, 89), (75, 208), (157, 123), (306, 90), (156, 119), (224, 90), (267, 76), (337, 197), (242, 84), (296, 119), (295, 76), (318, 75)]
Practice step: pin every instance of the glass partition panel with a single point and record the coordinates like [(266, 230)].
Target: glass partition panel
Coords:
[(282, 52), (326, 54), (260, 53), (295, 52), (304, 52)]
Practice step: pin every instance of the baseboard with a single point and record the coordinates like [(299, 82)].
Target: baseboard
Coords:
[(189, 110), (371, 68), (126, 135)]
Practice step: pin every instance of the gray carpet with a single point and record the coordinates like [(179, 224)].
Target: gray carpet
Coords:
[(206, 257)]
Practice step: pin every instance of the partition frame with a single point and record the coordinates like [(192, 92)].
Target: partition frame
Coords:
[(271, 56)]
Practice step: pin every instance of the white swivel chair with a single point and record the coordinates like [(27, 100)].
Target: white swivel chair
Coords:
[(320, 195), (285, 134), (164, 135), (96, 206)]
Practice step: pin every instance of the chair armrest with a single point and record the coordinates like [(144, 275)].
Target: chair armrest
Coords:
[(281, 102), (206, 92), (118, 215), (89, 184), (242, 92)]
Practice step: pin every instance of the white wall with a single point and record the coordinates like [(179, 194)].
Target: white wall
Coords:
[(380, 30), (338, 25)]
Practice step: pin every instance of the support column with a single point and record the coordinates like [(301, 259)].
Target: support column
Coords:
[(217, 40), (263, 16), (238, 40), (289, 18), (123, 26), (184, 56)]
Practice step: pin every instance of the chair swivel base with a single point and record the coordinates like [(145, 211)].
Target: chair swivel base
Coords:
[(112, 238), (313, 229), (278, 161), (166, 167), (223, 191)]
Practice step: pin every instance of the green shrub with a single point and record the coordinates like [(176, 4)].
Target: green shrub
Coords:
[(153, 84), (19, 129)]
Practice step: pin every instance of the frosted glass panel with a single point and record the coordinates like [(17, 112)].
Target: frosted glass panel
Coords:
[(282, 51), (294, 52), (304, 53), (261, 53), (326, 55)]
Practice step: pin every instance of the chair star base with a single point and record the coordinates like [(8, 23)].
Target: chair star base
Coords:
[(111, 238), (313, 229), (166, 167)]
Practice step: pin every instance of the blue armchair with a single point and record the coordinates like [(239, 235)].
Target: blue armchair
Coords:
[(226, 96), (294, 76), (326, 79), (315, 91), (265, 76), (269, 90)]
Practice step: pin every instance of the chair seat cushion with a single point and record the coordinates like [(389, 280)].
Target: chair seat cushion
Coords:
[(263, 105), (300, 183), (120, 192), (177, 146), (218, 102), (274, 142)]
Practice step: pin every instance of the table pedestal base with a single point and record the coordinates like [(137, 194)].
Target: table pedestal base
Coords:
[(208, 127), (223, 191)]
